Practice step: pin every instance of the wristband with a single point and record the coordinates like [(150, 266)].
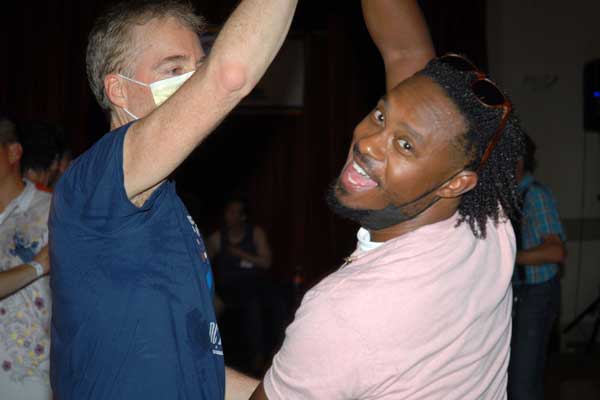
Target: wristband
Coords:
[(39, 269)]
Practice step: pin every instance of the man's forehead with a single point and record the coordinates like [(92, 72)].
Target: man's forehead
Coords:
[(423, 104)]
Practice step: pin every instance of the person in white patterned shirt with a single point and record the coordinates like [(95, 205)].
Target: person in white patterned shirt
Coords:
[(25, 303)]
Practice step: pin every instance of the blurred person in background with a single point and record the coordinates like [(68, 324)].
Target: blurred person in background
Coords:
[(25, 302), (241, 257), (536, 281), (41, 153)]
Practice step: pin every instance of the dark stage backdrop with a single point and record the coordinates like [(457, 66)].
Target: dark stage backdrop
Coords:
[(282, 160)]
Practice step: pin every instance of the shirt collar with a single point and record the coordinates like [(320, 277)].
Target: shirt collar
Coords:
[(364, 241)]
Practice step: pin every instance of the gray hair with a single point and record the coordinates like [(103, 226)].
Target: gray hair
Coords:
[(8, 131), (110, 45)]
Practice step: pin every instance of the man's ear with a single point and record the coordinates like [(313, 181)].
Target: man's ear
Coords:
[(15, 152), (115, 90), (459, 185)]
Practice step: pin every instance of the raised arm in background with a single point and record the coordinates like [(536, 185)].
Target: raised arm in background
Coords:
[(400, 32)]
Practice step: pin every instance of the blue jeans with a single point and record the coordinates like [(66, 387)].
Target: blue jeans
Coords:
[(534, 312)]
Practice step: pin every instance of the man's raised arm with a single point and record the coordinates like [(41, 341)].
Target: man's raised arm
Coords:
[(401, 35), (247, 44)]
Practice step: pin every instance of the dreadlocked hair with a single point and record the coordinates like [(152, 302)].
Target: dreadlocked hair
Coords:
[(495, 196)]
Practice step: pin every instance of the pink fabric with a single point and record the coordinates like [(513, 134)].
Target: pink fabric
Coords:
[(425, 316)]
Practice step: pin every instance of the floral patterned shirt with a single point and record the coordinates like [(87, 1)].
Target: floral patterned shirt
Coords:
[(25, 315)]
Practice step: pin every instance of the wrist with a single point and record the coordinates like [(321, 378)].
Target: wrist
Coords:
[(39, 268)]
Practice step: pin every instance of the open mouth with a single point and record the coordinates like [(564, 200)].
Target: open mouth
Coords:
[(356, 179)]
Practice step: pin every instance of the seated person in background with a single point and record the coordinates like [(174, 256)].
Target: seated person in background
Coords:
[(41, 153), (422, 308), (240, 256), (25, 302)]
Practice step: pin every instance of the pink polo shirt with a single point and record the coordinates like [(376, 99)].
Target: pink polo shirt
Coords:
[(426, 315)]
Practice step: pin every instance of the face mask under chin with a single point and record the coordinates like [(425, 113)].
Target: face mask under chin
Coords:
[(378, 219)]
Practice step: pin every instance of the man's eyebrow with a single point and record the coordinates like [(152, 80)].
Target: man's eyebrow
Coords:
[(411, 131), (171, 59), (403, 125)]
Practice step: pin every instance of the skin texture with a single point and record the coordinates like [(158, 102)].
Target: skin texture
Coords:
[(404, 146), (166, 135)]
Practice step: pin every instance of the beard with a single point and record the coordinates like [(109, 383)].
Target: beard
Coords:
[(370, 219)]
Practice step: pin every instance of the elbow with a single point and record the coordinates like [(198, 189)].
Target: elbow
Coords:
[(233, 78)]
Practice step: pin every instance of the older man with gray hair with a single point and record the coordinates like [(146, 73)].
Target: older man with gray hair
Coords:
[(133, 316)]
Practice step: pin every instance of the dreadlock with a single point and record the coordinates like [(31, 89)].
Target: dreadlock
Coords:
[(496, 183)]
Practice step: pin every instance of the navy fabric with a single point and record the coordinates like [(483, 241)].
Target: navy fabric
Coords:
[(132, 290)]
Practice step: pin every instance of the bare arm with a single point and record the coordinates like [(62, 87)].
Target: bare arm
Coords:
[(238, 386), (157, 144), (551, 251), (14, 279), (400, 33)]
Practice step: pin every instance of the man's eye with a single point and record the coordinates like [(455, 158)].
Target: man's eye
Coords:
[(404, 145), (176, 71), (379, 117)]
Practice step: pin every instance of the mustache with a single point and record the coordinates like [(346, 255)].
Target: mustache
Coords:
[(367, 163)]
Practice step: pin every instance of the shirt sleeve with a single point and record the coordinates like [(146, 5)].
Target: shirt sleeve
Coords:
[(319, 358), (93, 191), (543, 213)]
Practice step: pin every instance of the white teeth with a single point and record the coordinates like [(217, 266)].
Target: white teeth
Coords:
[(358, 169)]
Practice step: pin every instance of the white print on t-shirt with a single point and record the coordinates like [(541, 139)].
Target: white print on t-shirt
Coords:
[(215, 338), (194, 226)]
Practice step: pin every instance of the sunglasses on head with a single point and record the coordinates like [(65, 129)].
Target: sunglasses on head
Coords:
[(487, 93)]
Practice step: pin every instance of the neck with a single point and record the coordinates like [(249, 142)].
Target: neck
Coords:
[(118, 118), (10, 189), (440, 211)]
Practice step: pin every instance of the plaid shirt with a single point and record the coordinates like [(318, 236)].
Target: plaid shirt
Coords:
[(540, 219)]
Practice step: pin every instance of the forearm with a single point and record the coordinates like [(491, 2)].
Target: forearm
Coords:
[(238, 386), (15, 279), (546, 253), (400, 32)]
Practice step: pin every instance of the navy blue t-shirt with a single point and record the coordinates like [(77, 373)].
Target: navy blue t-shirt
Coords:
[(132, 290)]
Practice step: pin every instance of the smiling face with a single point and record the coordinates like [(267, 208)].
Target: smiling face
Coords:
[(402, 152)]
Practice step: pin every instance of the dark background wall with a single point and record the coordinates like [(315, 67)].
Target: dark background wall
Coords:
[(283, 161)]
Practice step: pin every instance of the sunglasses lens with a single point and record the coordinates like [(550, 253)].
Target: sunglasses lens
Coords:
[(459, 63), (488, 93)]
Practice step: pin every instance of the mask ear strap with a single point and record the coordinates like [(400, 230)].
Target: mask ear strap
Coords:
[(133, 80), (130, 114)]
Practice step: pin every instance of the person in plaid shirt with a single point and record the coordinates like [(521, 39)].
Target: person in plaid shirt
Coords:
[(536, 283)]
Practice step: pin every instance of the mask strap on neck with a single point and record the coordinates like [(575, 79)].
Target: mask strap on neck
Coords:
[(132, 115)]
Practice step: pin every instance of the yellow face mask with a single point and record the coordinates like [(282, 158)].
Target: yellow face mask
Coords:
[(163, 89)]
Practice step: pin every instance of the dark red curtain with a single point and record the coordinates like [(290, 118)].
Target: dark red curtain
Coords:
[(282, 161)]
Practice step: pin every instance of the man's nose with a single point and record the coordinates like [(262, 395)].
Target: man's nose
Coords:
[(372, 145)]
